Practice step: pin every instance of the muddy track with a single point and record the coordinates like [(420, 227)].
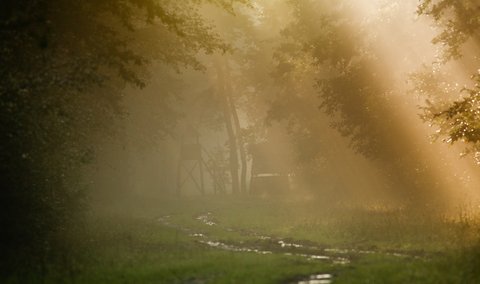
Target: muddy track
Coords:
[(263, 244), (260, 244)]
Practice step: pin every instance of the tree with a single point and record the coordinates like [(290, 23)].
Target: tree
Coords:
[(458, 120), (337, 51), (63, 67), (460, 22), (230, 79)]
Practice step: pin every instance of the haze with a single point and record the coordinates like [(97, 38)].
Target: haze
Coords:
[(244, 141)]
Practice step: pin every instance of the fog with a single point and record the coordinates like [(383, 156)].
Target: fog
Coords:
[(240, 141), (387, 153)]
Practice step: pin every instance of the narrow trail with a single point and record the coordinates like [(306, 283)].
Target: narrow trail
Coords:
[(263, 245)]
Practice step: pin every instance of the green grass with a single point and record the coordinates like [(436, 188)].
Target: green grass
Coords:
[(127, 244), (152, 253), (338, 227)]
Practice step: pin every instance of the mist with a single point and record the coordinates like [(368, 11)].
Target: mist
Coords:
[(244, 141)]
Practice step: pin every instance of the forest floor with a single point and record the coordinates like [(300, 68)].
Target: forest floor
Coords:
[(223, 239)]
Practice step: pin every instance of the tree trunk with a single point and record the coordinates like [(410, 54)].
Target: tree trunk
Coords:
[(236, 120), (232, 141)]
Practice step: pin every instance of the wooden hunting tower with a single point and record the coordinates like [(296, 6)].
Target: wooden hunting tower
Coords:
[(191, 164)]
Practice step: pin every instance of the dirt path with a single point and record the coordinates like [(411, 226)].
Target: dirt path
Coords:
[(262, 244)]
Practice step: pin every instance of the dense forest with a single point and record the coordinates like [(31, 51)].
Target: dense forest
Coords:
[(240, 141)]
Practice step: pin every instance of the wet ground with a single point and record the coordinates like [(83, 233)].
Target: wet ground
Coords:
[(262, 244), (316, 279)]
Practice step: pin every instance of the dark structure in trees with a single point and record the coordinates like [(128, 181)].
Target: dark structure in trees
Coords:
[(269, 176), (190, 160)]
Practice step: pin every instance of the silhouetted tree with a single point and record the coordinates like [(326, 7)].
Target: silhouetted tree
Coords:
[(63, 65), (325, 43)]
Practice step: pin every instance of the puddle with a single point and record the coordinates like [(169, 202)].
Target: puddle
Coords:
[(290, 248), (224, 246), (335, 260), (262, 244), (206, 219), (285, 244), (319, 257), (269, 250), (356, 251), (317, 279), (339, 251)]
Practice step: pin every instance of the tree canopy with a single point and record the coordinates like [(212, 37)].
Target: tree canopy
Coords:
[(458, 120), (64, 66)]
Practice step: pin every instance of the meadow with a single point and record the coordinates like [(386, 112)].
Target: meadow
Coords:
[(228, 239)]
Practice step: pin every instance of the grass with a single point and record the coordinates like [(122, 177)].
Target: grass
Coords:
[(338, 227), (127, 244), (158, 254)]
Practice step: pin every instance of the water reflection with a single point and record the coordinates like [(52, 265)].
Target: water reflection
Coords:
[(206, 219), (317, 279), (229, 247)]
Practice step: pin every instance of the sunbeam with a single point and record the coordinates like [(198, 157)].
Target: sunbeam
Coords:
[(240, 141)]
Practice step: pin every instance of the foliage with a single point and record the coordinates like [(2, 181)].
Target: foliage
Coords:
[(63, 67), (458, 120), (319, 42), (328, 61), (460, 22)]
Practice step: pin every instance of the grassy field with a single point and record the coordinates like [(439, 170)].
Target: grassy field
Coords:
[(248, 240)]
